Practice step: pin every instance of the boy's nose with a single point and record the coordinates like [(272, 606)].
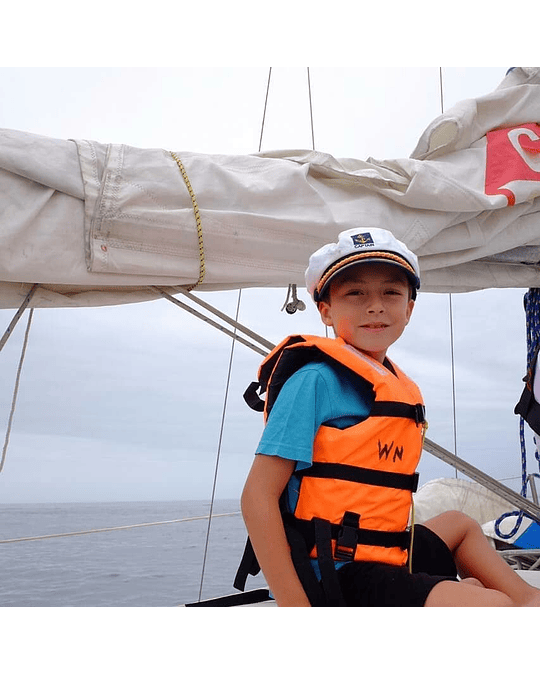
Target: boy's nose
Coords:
[(375, 306)]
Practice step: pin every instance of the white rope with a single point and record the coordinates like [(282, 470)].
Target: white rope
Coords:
[(120, 527), (16, 390)]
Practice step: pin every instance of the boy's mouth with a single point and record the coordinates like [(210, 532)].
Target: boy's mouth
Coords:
[(375, 327)]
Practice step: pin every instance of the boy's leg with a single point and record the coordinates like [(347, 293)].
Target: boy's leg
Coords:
[(464, 594), (476, 558)]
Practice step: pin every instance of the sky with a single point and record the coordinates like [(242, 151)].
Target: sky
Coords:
[(125, 403)]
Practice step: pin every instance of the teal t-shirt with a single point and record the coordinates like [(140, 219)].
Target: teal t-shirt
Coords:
[(316, 394)]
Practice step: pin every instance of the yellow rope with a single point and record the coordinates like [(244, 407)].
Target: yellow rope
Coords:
[(202, 269), (412, 538)]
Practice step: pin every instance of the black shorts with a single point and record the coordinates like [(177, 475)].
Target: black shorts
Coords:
[(366, 584)]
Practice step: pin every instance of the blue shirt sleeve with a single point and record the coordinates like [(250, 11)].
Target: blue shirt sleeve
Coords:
[(316, 394)]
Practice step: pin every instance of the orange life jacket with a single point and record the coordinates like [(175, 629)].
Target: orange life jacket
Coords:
[(362, 478)]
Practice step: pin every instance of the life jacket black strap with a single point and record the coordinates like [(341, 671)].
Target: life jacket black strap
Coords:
[(378, 537), (355, 474), (347, 537), (409, 411), (302, 562), (252, 398), (302, 535), (327, 568), (248, 565), (363, 535)]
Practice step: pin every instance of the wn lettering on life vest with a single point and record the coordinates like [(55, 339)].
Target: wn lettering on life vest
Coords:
[(385, 450), (513, 162)]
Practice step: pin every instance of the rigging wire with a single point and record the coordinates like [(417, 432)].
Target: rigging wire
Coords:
[(310, 110), (16, 389), (218, 455), (18, 315), (441, 90), (266, 345), (451, 318), (296, 304), (119, 527), (453, 370), (227, 386), (265, 106), (312, 138)]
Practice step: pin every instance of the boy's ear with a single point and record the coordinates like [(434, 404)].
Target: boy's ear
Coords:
[(410, 308), (326, 313)]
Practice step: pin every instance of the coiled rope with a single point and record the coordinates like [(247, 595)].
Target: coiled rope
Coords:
[(531, 303)]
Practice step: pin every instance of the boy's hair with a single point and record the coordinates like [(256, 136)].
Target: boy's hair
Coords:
[(325, 295), (359, 246)]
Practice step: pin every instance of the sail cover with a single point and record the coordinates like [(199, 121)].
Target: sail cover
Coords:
[(98, 224)]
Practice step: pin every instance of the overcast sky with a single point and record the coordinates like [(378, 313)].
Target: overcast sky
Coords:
[(125, 403)]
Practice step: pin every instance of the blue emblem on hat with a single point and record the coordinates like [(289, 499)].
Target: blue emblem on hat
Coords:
[(364, 239)]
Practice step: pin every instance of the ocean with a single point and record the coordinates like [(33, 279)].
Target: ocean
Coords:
[(154, 566)]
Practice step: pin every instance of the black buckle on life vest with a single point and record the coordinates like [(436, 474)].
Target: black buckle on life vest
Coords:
[(420, 413), (347, 540)]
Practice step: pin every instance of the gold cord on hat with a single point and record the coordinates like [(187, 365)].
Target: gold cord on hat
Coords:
[(344, 262)]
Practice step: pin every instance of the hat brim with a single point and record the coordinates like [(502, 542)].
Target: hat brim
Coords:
[(387, 257)]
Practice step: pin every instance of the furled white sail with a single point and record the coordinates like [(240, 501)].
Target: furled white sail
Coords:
[(98, 224)]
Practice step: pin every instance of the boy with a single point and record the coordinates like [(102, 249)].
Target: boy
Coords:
[(328, 498)]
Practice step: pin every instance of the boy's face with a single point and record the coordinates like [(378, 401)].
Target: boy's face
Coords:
[(369, 306)]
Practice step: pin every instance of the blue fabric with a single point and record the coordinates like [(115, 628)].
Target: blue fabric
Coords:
[(316, 394), (530, 538)]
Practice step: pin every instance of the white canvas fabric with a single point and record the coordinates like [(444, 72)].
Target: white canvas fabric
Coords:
[(97, 224), (455, 494)]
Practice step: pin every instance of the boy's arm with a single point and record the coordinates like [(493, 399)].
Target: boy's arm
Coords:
[(260, 507)]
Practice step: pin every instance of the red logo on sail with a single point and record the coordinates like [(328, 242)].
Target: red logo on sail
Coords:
[(513, 162)]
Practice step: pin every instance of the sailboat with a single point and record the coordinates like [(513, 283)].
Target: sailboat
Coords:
[(101, 224)]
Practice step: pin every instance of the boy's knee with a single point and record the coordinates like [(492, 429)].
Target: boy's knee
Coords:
[(458, 518), (472, 582), (462, 594), (453, 527)]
